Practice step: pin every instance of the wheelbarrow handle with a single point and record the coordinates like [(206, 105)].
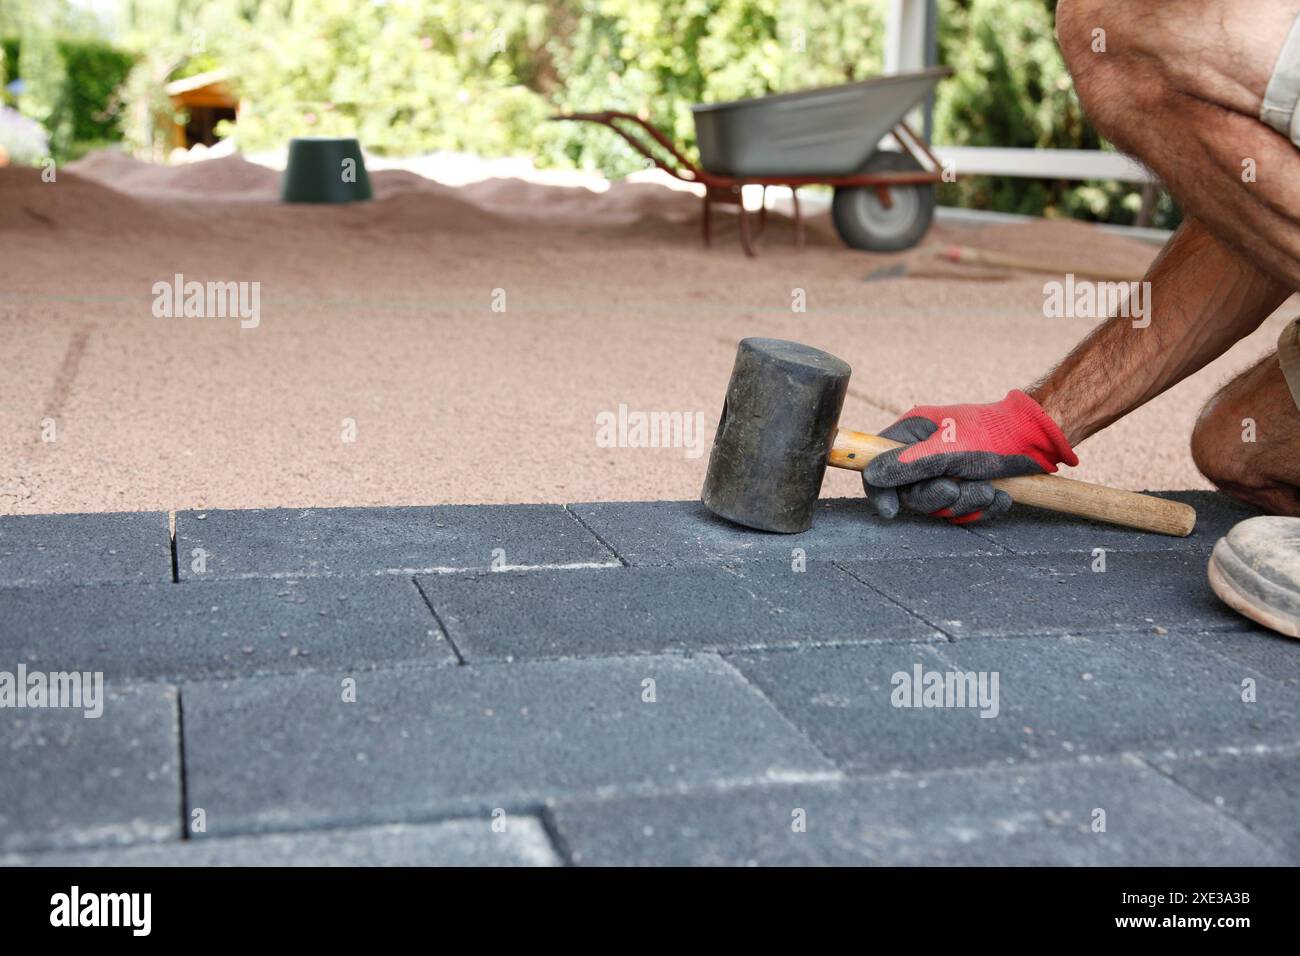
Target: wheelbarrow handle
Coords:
[(684, 169)]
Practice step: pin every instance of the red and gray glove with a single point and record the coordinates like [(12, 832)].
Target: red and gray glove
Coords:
[(974, 443)]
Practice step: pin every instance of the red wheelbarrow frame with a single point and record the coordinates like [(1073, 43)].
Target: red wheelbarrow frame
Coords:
[(727, 189)]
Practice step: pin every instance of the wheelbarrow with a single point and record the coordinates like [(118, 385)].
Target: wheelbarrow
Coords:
[(884, 199)]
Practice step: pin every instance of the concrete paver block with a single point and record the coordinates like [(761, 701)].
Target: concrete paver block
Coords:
[(290, 753), (1022, 816), (84, 548), (1055, 698), (221, 628), (353, 541), (560, 614), (523, 842), (69, 780), (685, 532)]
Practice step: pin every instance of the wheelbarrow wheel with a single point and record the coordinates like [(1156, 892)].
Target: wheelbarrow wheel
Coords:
[(862, 220)]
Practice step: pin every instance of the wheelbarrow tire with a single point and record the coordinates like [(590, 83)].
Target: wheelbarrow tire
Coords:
[(862, 220)]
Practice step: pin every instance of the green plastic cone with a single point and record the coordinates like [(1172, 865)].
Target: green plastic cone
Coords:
[(323, 169)]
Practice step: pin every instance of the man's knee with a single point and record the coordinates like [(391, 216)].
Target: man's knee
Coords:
[(1247, 439), (1221, 443)]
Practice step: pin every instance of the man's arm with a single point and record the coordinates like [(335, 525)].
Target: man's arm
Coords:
[(1204, 298)]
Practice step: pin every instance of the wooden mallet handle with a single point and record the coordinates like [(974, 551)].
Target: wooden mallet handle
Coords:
[(854, 450)]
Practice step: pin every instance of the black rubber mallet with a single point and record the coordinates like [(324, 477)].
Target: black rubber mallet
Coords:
[(780, 429)]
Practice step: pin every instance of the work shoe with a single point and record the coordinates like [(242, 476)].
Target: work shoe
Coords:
[(1255, 569)]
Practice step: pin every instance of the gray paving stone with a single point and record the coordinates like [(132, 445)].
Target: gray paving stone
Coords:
[(685, 532), (1053, 593), (349, 541), (1261, 790), (68, 780), (84, 548), (1258, 648), (1028, 530), (558, 614), (1024, 816), (220, 628), (288, 753), (451, 843), (1057, 698)]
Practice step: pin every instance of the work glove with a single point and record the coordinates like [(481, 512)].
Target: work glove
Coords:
[(974, 443)]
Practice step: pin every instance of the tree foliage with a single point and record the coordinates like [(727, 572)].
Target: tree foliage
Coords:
[(1010, 88)]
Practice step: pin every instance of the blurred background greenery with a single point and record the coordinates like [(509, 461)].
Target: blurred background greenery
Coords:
[(481, 76)]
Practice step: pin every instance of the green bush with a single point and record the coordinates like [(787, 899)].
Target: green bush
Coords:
[(482, 75), (95, 72), (82, 110), (1011, 88)]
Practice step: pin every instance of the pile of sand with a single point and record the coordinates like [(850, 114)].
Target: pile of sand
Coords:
[(230, 178), (404, 200), (29, 204), (622, 204)]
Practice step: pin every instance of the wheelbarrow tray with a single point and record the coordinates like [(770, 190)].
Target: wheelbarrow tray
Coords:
[(830, 131)]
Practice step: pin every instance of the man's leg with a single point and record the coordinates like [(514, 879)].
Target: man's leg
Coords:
[(1255, 567), (1247, 440), (1204, 92), (1179, 85)]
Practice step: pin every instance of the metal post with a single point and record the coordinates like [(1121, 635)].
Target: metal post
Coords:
[(931, 59), (905, 35), (905, 38)]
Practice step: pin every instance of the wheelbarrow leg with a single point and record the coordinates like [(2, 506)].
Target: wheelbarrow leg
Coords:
[(746, 241), (798, 218), (704, 220)]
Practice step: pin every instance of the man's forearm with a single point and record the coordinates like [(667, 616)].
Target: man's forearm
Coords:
[(1204, 297)]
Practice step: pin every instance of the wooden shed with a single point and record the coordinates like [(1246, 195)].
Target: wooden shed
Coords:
[(204, 99)]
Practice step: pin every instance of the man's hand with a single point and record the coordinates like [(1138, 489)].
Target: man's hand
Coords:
[(974, 443)]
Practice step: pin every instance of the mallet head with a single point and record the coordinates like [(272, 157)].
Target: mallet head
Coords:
[(778, 424)]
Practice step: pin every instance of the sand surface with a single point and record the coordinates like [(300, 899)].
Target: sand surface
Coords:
[(378, 318)]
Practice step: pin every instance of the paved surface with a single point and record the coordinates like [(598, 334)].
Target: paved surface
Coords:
[(636, 683)]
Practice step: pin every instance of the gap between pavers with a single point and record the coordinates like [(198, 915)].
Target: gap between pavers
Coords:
[(1040, 815), (1256, 648), (1258, 787)]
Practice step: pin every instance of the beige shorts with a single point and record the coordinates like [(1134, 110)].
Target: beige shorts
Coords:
[(1279, 111), (1279, 108)]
